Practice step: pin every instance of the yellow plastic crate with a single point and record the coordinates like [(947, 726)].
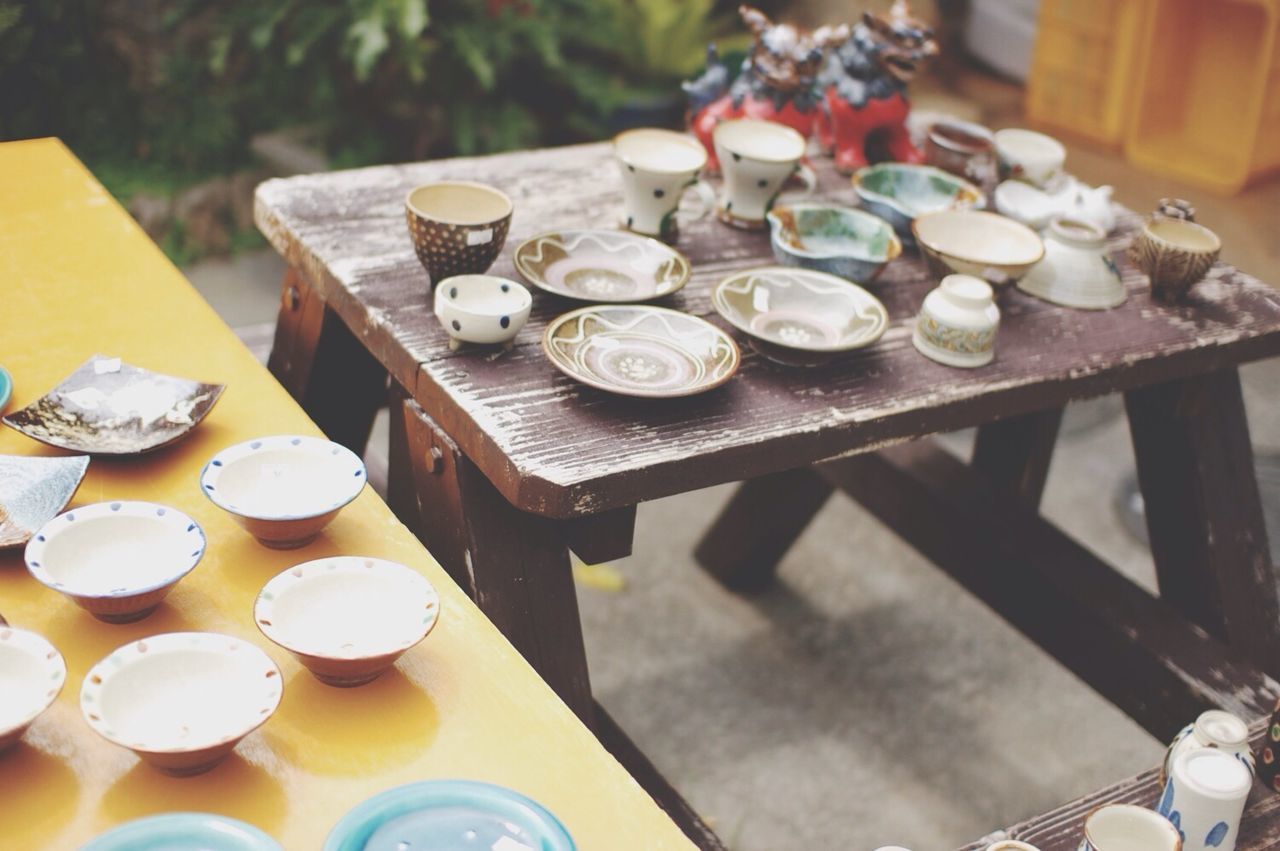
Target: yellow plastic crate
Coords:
[(1082, 71), (1206, 100)]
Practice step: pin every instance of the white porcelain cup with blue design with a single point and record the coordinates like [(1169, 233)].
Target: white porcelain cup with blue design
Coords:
[(1127, 827), (1204, 798)]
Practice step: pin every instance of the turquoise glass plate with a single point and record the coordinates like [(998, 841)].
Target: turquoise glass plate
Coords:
[(184, 832), (449, 815), (6, 387)]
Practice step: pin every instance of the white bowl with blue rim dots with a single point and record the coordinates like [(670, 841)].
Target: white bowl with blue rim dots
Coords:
[(283, 489), (483, 309), (116, 560)]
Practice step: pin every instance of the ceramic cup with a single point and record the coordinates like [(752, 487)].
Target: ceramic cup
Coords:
[(1269, 753), (457, 227), (757, 158), (962, 148), (657, 167), (1127, 827), (1213, 729), (1204, 798), (1175, 254), (1030, 156), (957, 323)]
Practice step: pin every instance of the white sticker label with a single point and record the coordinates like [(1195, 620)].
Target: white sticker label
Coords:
[(104, 365), (479, 237)]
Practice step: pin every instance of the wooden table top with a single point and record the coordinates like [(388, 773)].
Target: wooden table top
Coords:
[(81, 277), (558, 448)]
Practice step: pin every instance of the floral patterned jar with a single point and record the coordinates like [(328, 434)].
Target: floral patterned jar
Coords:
[(957, 323)]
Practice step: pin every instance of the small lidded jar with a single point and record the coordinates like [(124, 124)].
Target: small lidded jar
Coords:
[(957, 323)]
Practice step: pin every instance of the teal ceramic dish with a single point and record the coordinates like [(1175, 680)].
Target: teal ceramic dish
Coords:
[(900, 192), (841, 241), (449, 815), (6, 387), (184, 832)]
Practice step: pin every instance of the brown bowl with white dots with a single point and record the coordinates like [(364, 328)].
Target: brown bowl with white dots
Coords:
[(457, 227)]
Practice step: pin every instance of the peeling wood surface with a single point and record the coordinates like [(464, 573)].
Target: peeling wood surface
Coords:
[(558, 448)]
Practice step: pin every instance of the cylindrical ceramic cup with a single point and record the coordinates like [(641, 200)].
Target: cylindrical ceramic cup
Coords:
[(1204, 798), (1028, 155), (1213, 729), (962, 148), (957, 323), (1126, 827), (1175, 254), (657, 167), (757, 159), (457, 227)]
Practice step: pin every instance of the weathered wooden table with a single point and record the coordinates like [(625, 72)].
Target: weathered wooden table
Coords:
[(503, 465)]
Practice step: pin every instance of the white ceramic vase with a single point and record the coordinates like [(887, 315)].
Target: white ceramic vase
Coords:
[(957, 323), (1204, 798), (1076, 270), (1213, 729)]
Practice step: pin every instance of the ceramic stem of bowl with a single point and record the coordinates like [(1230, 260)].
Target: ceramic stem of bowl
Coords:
[(962, 148), (283, 489), (1204, 798), (116, 560), (901, 192), (657, 168), (457, 227), (1076, 270), (32, 673), (1028, 155), (1175, 254), (181, 700), (481, 309), (852, 244), (601, 266), (757, 159), (958, 322), (985, 245), (1128, 827), (348, 618)]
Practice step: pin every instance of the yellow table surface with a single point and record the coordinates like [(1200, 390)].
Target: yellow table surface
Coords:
[(78, 277)]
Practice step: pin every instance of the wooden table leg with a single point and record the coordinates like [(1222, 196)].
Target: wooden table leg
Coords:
[(515, 565), (1204, 515), (324, 367), (761, 522), (1014, 453)]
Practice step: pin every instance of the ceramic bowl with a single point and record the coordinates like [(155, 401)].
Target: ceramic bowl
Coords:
[(1077, 271), (457, 227), (900, 192), (641, 350), (6, 387), (184, 832), (1028, 155), (347, 619), (985, 245), (283, 489), (1025, 203), (601, 266), (107, 407), (838, 240), (481, 309), (960, 147), (1128, 827), (32, 673), (116, 560), (1175, 254), (449, 814), (958, 322), (181, 700), (33, 489), (802, 317)]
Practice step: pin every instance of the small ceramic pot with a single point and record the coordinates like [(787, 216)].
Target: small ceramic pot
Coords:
[(1268, 763), (481, 309), (984, 245), (176, 831), (457, 227), (962, 148), (116, 560), (899, 193), (657, 168), (32, 673), (1030, 156), (283, 489), (181, 700), (1076, 270), (1128, 827), (1213, 729), (1204, 798), (958, 322), (842, 241), (1175, 254), (757, 159), (347, 619)]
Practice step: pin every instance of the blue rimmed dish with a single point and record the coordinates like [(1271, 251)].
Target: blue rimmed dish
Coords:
[(116, 560), (852, 244), (449, 815), (184, 832), (283, 489), (900, 193)]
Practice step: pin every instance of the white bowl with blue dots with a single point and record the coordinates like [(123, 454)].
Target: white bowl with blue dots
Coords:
[(117, 560), (484, 309), (283, 489)]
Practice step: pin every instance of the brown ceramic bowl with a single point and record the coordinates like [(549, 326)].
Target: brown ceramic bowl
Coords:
[(457, 227), (1175, 254)]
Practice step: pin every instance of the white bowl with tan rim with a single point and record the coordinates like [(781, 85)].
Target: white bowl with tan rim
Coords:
[(483, 309), (32, 673), (181, 700), (1028, 155), (1128, 827), (984, 245), (347, 619)]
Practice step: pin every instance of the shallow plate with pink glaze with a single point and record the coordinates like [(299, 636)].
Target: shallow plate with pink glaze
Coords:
[(602, 266)]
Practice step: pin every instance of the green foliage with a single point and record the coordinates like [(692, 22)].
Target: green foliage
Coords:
[(666, 40)]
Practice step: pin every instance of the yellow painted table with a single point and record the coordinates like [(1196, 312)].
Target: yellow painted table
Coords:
[(78, 277)]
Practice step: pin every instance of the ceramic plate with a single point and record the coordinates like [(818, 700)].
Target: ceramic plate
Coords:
[(449, 814), (181, 700), (6, 387), (184, 832), (602, 266), (32, 673), (32, 492), (641, 351), (111, 408), (347, 618), (801, 309)]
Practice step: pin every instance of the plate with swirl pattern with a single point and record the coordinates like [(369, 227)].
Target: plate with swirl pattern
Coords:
[(602, 266)]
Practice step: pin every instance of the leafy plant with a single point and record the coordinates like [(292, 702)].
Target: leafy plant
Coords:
[(666, 40)]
